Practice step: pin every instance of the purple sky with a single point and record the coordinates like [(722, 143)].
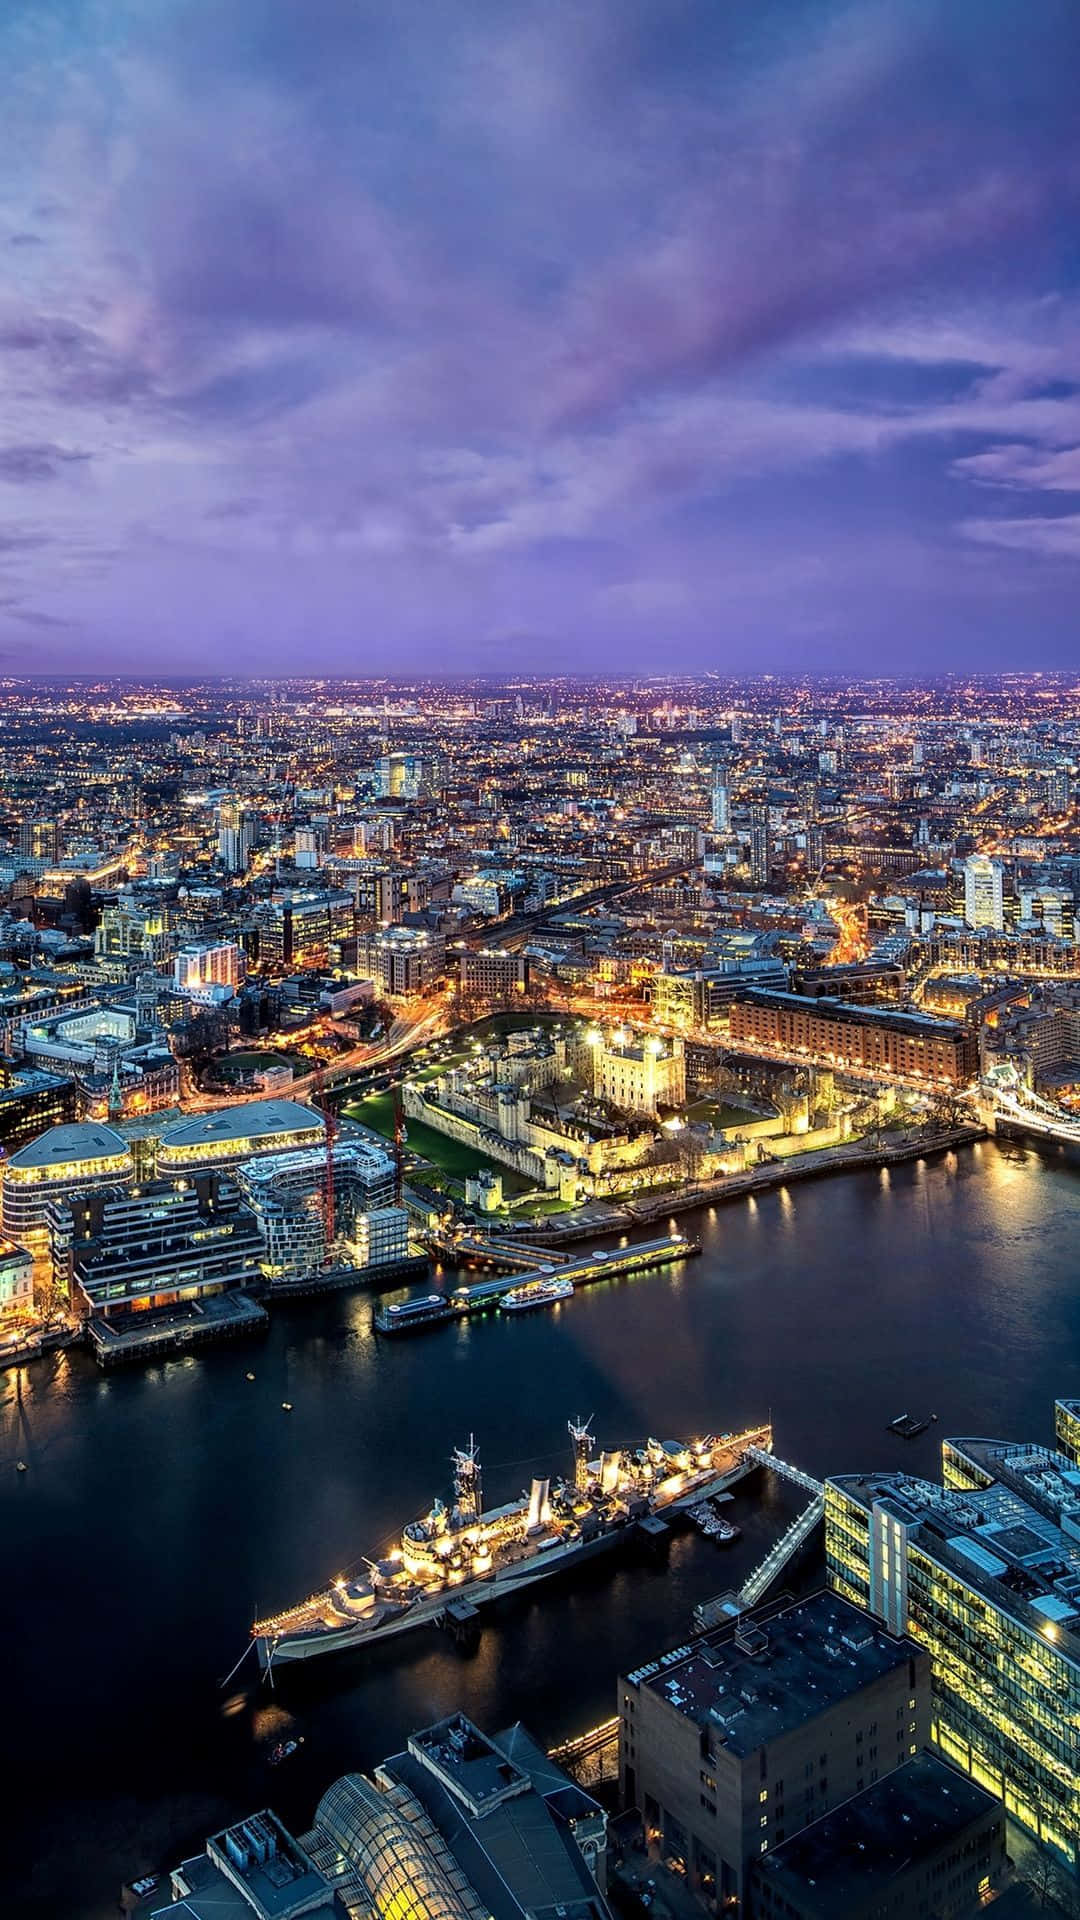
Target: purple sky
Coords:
[(473, 334)]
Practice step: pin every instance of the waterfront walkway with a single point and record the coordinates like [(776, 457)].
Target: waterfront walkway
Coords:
[(851, 1157)]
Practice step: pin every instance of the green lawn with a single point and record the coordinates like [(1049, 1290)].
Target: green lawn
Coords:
[(721, 1115), (452, 1156)]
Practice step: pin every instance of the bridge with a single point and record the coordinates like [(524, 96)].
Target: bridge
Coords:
[(724, 1606), (1019, 1107)]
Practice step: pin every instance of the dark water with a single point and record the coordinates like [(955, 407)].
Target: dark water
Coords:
[(161, 1507)]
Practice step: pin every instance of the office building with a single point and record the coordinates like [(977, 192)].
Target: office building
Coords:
[(456, 1827), (984, 1572), (923, 1841), (230, 1135), (760, 845), (721, 802), (82, 1158), (731, 1745), (117, 1251), (16, 1285), (298, 929), (31, 1101), (132, 934), (984, 892), (831, 1033), (491, 973), (197, 967), (287, 1194), (408, 960)]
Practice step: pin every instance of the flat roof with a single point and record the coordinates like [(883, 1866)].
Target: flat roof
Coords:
[(78, 1140), (824, 1004), (250, 1121), (809, 1658), (852, 1857)]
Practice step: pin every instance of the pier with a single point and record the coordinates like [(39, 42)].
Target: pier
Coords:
[(605, 1264), (152, 1336)]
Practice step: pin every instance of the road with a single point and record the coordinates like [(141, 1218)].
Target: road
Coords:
[(408, 1032), (511, 933)]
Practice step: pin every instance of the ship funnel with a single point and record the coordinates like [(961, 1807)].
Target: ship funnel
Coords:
[(539, 1503), (609, 1471)]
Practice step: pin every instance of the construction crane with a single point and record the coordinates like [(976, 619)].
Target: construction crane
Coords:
[(399, 1146), (330, 1129)]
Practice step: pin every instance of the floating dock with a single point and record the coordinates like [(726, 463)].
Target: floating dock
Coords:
[(482, 1296)]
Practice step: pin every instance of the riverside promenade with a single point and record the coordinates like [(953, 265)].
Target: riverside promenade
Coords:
[(849, 1157)]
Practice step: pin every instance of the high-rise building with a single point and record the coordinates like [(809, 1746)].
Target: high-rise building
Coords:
[(40, 840), (760, 844), (236, 836), (198, 967), (984, 892), (1057, 790), (721, 802), (984, 1572)]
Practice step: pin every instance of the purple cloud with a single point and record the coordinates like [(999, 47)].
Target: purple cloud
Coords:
[(406, 332)]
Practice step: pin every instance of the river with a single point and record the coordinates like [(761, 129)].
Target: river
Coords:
[(162, 1506)]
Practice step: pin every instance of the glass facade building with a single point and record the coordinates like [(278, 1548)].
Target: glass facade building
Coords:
[(984, 1572)]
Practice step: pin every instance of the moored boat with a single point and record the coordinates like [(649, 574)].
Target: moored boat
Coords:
[(464, 1553)]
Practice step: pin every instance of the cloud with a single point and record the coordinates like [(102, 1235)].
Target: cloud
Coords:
[(432, 320), (1057, 537), (34, 463)]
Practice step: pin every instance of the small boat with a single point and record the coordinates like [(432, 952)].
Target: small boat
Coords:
[(725, 1531), (285, 1749), (286, 1406), (249, 1376), (20, 1466), (908, 1425)]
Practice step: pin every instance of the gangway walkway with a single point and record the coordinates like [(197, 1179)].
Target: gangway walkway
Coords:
[(784, 1467), (785, 1549)]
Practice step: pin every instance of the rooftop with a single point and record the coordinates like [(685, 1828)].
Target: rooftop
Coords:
[(79, 1140), (1015, 1538), (253, 1120), (825, 1004), (855, 1853), (750, 1688), (518, 1851)]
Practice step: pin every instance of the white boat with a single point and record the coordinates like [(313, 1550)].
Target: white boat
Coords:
[(536, 1293)]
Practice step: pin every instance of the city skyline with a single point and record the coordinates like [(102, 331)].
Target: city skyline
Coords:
[(579, 342)]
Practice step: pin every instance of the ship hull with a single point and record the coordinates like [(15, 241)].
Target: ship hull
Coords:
[(290, 1648), (513, 1579)]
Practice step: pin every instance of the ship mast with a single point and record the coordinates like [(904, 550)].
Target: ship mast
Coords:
[(582, 1438), (468, 1490)]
